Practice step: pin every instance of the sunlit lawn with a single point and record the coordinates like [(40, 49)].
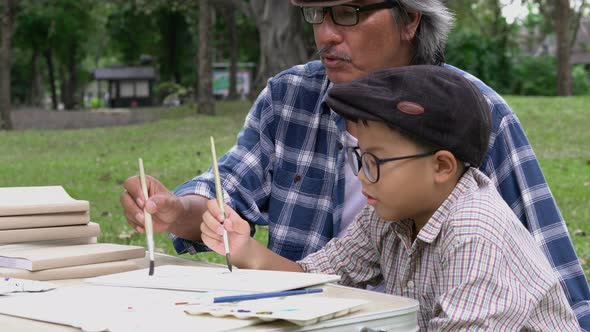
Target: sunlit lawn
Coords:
[(92, 163)]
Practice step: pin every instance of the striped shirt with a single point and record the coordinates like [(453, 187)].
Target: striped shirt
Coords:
[(473, 266), (287, 172)]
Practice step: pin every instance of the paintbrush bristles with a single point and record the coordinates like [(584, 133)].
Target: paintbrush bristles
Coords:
[(152, 266)]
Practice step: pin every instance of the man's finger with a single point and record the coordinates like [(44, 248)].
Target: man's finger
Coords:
[(130, 208), (133, 188)]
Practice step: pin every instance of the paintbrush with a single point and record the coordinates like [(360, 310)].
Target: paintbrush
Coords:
[(220, 201), (149, 231)]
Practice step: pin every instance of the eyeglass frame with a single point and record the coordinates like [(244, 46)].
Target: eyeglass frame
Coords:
[(358, 10), (359, 159)]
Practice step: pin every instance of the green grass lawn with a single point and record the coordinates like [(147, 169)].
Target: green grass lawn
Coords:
[(92, 163)]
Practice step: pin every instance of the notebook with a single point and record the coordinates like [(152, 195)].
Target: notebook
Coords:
[(17, 201), (71, 272), (50, 257), (44, 220), (48, 233)]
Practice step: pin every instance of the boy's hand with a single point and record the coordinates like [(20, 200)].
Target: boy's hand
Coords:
[(238, 230)]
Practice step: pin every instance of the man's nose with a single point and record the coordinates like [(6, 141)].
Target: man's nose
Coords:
[(328, 32)]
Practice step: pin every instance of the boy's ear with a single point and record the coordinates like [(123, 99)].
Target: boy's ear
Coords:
[(445, 166)]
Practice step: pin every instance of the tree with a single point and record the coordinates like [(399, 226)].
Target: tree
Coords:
[(230, 19), (564, 80), (282, 41), (206, 102), (6, 31)]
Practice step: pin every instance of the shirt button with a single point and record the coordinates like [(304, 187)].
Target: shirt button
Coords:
[(340, 146), (410, 284), (297, 178)]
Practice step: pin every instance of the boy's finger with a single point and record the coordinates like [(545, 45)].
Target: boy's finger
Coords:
[(213, 208), (237, 225)]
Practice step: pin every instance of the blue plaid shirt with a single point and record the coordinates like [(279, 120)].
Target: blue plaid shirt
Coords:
[(286, 172)]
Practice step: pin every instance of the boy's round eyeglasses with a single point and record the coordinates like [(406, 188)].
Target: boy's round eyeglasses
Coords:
[(346, 15), (370, 163)]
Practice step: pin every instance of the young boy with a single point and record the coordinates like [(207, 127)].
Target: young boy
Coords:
[(435, 229)]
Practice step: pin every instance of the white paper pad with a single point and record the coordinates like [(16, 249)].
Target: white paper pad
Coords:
[(195, 278), (116, 309)]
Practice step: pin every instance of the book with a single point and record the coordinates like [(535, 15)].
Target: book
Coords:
[(48, 233), (71, 272), (17, 201), (50, 257), (175, 277), (44, 220), (54, 243)]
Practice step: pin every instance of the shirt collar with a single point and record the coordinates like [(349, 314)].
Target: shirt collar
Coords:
[(432, 229)]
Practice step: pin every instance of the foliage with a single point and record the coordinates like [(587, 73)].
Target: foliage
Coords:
[(478, 54), (62, 27), (535, 76), (581, 80), (170, 93), (132, 33)]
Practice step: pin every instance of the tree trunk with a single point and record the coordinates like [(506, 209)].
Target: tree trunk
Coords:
[(282, 43), (71, 80), (234, 49), (173, 59), (564, 86), (206, 102), (6, 30), (36, 83), (62, 84), (51, 72)]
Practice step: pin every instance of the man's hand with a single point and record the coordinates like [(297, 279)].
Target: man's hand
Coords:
[(162, 204)]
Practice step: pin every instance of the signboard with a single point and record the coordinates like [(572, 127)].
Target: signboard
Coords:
[(221, 83)]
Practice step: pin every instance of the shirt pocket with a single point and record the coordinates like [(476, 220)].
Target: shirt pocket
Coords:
[(301, 185), (297, 205)]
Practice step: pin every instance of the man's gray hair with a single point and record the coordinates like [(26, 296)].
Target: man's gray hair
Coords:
[(431, 35)]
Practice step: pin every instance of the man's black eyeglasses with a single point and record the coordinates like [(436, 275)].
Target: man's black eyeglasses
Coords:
[(346, 15), (371, 164)]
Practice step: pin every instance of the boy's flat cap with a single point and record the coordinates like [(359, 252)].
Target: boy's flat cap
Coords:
[(432, 103)]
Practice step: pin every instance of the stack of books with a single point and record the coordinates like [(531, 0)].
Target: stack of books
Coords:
[(46, 235)]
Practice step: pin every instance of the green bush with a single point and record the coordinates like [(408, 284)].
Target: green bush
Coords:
[(580, 81), (534, 76), (167, 88)]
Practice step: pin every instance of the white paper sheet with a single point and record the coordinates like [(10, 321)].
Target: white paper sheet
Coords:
[(117, 309), (197, 278)]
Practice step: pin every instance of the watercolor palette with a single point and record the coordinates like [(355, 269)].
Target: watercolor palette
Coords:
[(300, 310)]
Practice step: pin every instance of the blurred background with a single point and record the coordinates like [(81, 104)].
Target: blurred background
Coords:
[(80, 54)]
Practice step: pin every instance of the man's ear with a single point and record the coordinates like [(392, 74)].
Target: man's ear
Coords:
[(445, 167), (411, 26)]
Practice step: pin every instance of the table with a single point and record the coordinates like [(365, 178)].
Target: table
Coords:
[(382, 313)]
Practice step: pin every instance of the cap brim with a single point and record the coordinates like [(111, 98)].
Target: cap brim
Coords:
[(311, 3)]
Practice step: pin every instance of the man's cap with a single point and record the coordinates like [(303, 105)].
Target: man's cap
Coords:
[(432, 103), (320, 3)]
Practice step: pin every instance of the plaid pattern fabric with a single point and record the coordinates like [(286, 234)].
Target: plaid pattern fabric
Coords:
[(286, 171), (472, 266)]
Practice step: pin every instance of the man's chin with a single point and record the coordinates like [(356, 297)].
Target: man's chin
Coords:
[(342, 76)]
